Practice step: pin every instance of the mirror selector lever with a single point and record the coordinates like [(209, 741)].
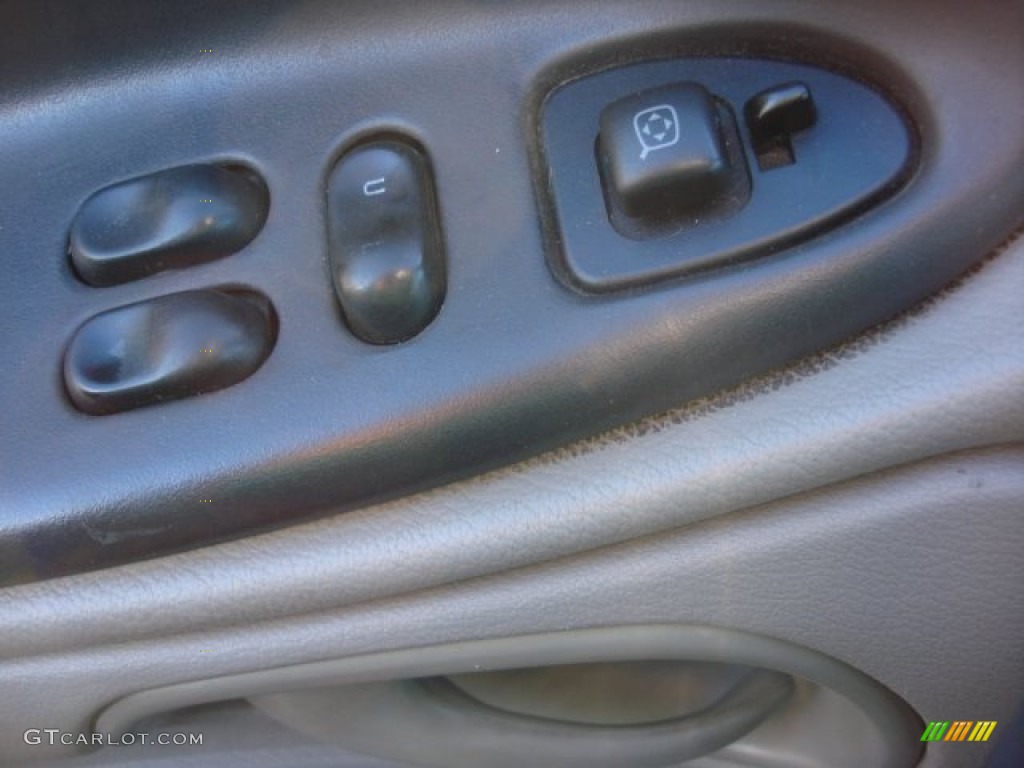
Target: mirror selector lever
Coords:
[(664, 152), (773, 116), (386, 252), (779, 112)]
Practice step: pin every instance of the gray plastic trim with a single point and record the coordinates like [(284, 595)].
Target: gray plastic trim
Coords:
[(897, 724), (866, 572)]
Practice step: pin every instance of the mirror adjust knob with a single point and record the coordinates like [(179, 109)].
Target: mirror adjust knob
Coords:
[(662, 151)]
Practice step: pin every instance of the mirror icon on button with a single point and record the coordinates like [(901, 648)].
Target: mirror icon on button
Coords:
[(656, 128)]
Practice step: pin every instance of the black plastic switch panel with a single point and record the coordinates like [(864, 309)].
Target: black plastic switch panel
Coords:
[(167, 220), (779, 112), (663, 150), (792, 187), (386, 251), (167, 348)]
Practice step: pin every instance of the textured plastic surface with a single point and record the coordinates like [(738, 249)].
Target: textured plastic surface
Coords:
[(857, 153), (170, 219), (514, 364), (904, 526), (167, 348)]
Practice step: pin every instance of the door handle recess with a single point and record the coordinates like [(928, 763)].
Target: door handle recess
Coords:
[(433, 722), (407, 706), (455, 729)]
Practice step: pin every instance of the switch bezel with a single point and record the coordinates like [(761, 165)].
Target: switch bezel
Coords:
[(860, 151)]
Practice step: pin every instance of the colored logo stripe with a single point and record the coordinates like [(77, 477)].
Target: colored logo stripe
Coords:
[(982, 730), (958, 730)]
